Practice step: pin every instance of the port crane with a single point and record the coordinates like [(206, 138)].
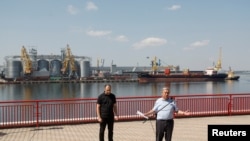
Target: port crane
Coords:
[(69, 62), (26, 61), (155, 65), (219, 62), (98, 65)]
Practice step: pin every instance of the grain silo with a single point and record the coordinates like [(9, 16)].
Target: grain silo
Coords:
[(13, 69), (55, 68), (85, 69), (43, 65)]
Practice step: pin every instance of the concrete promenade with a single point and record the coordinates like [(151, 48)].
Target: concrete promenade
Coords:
[(186, 129)]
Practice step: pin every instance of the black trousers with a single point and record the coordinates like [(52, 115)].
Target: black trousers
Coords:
[(164, 128), (103, 124)]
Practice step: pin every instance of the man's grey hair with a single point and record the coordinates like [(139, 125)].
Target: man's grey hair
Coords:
[(165, 88)]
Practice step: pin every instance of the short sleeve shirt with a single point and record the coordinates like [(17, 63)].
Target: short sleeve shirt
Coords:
[(165, 108), (107, 104)]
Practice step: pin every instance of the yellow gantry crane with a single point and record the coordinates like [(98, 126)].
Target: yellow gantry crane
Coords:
[(68, 62), (26, 61), (219, 62)]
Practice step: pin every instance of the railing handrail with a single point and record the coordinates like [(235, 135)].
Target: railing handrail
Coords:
[(81, 110), (128, 97)]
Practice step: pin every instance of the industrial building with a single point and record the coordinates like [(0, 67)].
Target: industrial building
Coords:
[(32, 66)]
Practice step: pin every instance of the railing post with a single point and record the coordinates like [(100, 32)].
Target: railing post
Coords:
[(230, 105), (37, 113)]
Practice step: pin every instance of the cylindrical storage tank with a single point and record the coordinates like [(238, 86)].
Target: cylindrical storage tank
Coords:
[(43, 65), (13, 69), (78, 68), (167, 71), (55, 68), (85, 70)]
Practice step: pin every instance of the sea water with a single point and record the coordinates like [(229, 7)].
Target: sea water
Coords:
[(45, 91)]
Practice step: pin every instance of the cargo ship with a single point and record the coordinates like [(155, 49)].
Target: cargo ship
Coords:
[(209, 74), (214, 73)]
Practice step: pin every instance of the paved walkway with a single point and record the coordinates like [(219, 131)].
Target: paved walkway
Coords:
[(186, 129)]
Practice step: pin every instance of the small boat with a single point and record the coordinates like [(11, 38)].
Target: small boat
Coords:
[(231, 75), (233, 78)]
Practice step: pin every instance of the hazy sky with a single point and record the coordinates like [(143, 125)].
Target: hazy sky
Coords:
[(188, 33)]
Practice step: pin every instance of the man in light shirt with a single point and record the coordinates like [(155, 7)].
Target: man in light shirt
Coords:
[(164, 108)]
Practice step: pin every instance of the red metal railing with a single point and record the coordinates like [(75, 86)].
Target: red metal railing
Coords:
[(72, 111)]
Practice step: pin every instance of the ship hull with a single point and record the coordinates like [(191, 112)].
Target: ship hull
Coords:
[(233, 78), (144, 78)]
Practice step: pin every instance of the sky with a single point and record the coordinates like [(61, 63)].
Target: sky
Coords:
[(184, 33)]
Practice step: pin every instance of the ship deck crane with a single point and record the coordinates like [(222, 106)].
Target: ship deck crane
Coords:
[(69, 62), (26, 61)]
